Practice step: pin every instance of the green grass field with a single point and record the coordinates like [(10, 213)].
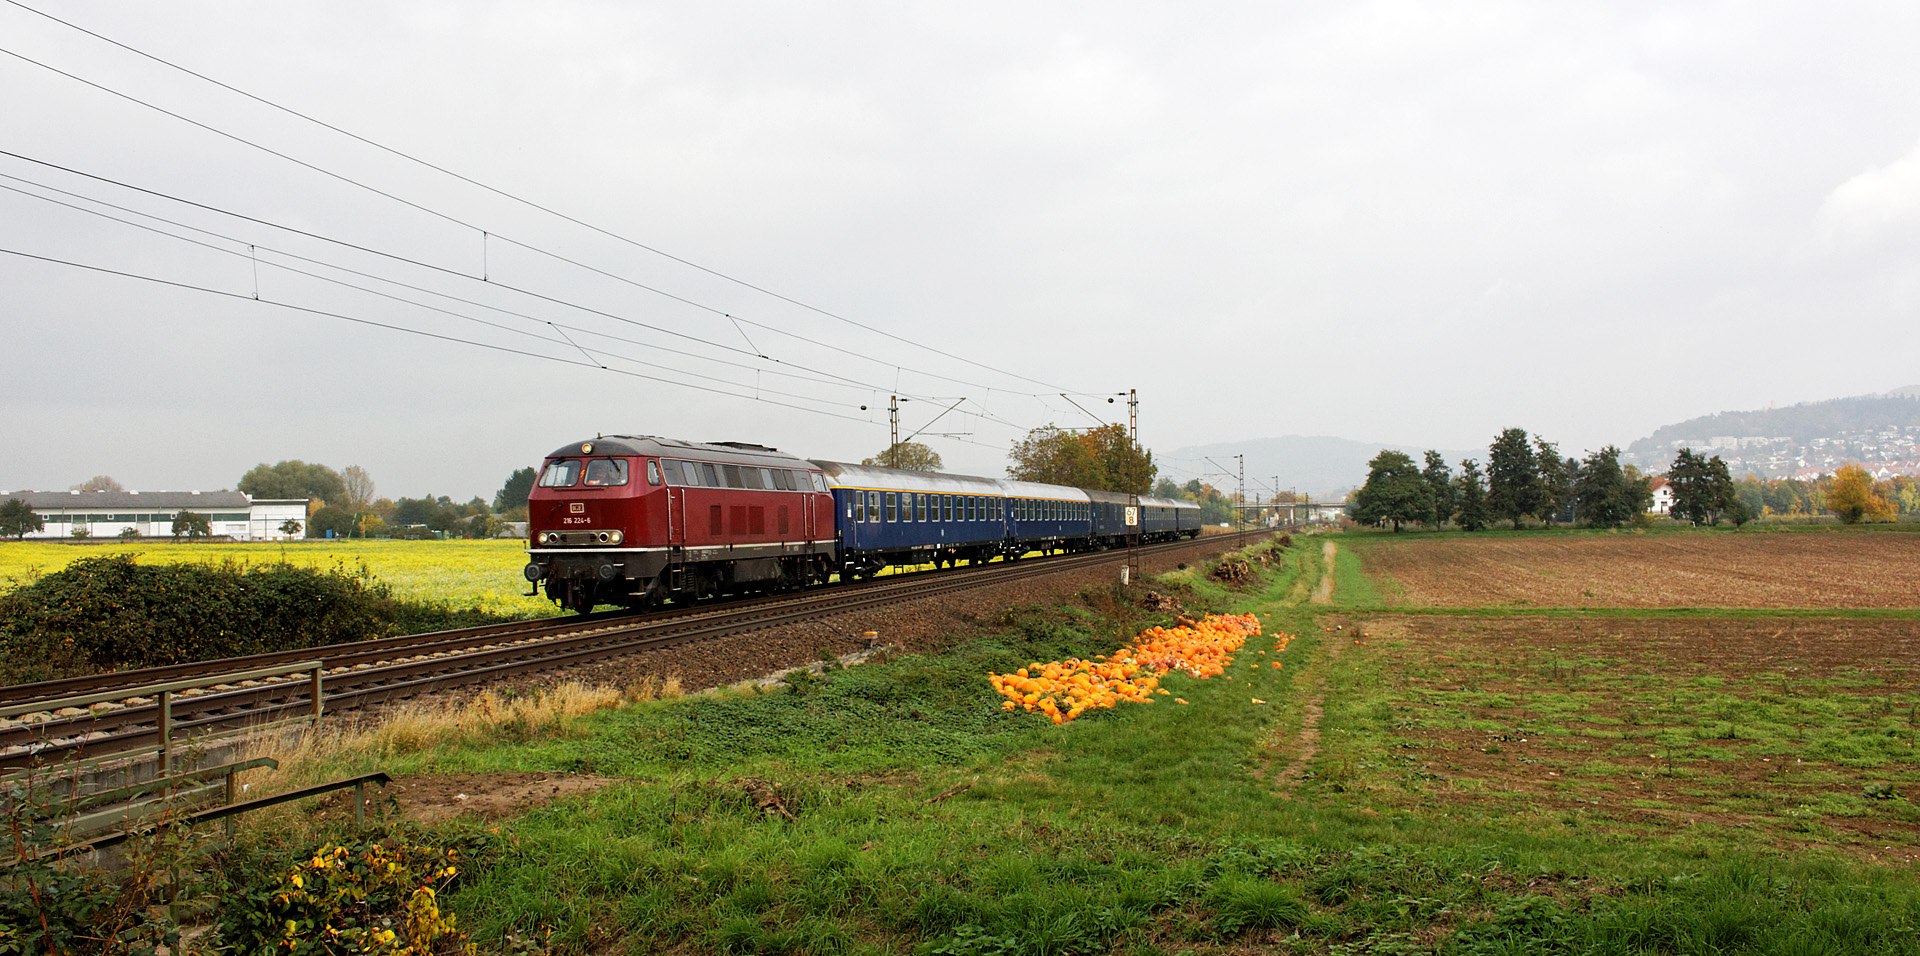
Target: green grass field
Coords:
[(483, 575), (1309, 808)]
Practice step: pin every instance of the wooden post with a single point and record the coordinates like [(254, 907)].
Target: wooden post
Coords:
[(165, 760)]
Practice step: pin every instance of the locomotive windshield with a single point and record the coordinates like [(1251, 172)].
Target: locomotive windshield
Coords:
[(561, 473), (599, 472), (606, 472)]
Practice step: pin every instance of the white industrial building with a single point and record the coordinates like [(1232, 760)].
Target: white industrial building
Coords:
[(105, 514)]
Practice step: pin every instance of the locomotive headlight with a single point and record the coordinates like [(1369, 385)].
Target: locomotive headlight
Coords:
[(615, 537), (601, 537)]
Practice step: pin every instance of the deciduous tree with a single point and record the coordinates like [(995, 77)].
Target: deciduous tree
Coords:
[(99, 483), (1471, 493), (1602, 494), (1102, 458), (1556, 477), (1513, 477), (1439, 480), (17, 520), (358, 486), (908, 456), (1702, 488), (1851, 495), (1395, 492), (191, 524), (294, 479)]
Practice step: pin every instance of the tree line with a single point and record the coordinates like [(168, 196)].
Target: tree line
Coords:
[(1527, 479)]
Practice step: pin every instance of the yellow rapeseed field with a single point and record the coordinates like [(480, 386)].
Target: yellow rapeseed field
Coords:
[(484, 575)]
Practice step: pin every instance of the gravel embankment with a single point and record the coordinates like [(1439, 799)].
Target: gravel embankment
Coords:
[(920, 625)]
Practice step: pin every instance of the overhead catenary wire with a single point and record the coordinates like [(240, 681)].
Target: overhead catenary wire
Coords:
[(518, 199), (485, 233), (558, 328), (252, 255), (454, 273), (401, 328), (253, 247)]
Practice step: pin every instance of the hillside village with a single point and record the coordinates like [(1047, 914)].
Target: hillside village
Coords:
[(1878, 432)]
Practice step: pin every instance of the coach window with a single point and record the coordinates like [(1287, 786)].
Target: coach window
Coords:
[(561, 474), (856, 507), (653, 471), (920, 506), (893, 511), (873, 506)]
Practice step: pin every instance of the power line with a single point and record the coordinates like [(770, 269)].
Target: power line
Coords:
[(376, 278), (401, 328), (470, 181), (443, 270)]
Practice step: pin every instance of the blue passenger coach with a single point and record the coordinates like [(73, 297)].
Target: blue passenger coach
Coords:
[(892, 516), (889, 516)]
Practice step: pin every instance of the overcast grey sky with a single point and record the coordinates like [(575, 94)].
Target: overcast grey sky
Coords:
[(1401, 222)]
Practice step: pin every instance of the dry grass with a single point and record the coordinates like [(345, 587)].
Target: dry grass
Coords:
[(350, 746)]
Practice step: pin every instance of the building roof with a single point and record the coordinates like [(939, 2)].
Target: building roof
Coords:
[(129, 500)]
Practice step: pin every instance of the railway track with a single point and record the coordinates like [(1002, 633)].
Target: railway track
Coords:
[(370, 673)]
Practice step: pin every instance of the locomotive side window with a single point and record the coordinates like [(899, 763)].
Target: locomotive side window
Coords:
[(819, 482), (732, 474), (561, 474), (751, 478), (709, 475), (783, 480), (653, 471)]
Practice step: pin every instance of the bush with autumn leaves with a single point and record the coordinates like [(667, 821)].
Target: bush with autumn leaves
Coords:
[(1063, 690)]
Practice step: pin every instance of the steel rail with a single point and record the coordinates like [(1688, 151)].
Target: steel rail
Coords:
[(134, 726), (371, 650)]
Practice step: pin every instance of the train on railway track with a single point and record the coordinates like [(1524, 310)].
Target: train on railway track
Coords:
[(635, 521)]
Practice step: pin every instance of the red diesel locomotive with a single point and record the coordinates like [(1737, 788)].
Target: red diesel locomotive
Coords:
[(632, 520)]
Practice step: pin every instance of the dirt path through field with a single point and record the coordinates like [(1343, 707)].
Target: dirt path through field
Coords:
[(1323, 593)]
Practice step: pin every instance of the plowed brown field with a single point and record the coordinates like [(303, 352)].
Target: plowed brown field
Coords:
[(1841, 569)]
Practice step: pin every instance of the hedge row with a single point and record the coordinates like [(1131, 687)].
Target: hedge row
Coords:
[(113, 613)]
